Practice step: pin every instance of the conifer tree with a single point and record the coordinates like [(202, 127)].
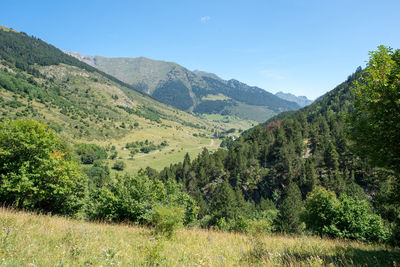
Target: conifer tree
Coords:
[(223, 204), (289, 211)]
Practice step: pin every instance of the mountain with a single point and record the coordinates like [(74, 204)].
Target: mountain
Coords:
[(199, 92), (302, 101), (84, 104)]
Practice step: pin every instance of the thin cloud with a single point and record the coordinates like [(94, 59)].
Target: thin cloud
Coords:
[(205, 19)]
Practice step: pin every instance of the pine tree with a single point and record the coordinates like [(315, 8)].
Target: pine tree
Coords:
[(223, 203), (289, 211)]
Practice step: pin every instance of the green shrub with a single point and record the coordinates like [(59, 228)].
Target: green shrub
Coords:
[(36, 170), (119, 165), (88, 153), (240, 224), (344, 218), (256, 227), (167, 219), (133, 198)]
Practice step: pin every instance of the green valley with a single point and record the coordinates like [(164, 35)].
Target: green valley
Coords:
[(137, 162)]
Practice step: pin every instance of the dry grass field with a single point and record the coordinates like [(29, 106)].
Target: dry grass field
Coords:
[(28, 239)]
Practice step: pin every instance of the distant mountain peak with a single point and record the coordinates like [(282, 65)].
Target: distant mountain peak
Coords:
[(300, 100)]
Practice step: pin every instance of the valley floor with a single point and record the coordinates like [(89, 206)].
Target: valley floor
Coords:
[(27, 239)]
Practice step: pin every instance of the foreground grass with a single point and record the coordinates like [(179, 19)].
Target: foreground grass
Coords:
[(37, 240)]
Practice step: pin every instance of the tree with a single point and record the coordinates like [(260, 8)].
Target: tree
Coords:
[(289, 211), (36, 170), (320, 210), (223, 204), (376, 120)]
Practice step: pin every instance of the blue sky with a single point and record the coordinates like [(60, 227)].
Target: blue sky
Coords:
[(305, 47)]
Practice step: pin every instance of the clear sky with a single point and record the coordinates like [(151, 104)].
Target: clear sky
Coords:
[(305, 47)]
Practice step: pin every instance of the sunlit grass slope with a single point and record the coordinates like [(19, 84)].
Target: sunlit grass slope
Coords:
[(37, 240)]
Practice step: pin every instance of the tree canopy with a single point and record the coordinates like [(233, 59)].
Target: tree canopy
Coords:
[(36, 169), (376, 120)]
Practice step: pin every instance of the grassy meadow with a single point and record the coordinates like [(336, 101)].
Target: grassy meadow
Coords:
[(27, 239)]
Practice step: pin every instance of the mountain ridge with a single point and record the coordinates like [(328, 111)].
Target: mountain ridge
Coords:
[(193, 91)]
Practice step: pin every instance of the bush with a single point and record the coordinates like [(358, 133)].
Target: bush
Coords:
[(167, 219), (36, 170), (119, 165), (240, 224), (256, 227), (88, 153), (127, 198), (320, 210), (343, 218)]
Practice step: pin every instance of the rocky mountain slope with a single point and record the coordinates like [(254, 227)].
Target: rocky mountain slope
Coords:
[(302, 101), (197, 91)]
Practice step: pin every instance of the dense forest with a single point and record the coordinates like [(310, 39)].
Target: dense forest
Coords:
[(271, 169)]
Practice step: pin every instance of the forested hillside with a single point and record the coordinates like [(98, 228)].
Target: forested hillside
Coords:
[(272, 167)]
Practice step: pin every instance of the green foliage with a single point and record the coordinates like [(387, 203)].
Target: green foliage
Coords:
[(320, 210), (98, 174), (174, 93), (224, 203), (119, 165), (257, 227), (36, 170), (376, 120), (144, 147), (289, 211), (345, 217), (88, 153), (133, 198), (167, 219), (215, 106), (308, 148)]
